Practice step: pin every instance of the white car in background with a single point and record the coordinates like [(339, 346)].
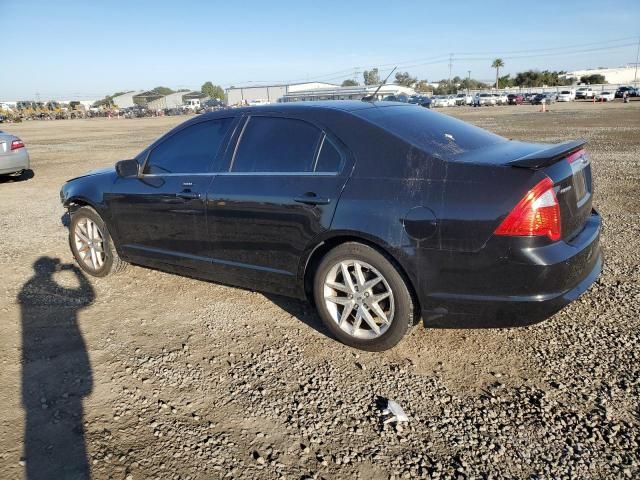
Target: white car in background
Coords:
[(566, 96), (464, 99), (443, 101), (584, 93), (606, 96), (501, 98), (484, 99)]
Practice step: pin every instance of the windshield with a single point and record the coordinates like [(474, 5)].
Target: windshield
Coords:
[(437, 134)]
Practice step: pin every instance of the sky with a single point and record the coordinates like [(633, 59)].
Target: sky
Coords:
[(67, 49)]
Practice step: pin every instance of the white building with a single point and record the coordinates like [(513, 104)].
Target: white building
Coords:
[(347, 93), (126, 99), (617, 75), (269, 93)]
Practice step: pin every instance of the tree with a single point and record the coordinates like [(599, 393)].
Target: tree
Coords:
[(350, 83), (498, 63), (212, 91), (423, 86), (471, 84), (536, 78), (506, 81), (162, 91), (405, 79), (593, 79), (371, 77)]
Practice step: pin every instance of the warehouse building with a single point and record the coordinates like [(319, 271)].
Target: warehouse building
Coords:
[(269, 93), (144, 98), (125, 100), (347, 93), (172, 100), (618, 75)]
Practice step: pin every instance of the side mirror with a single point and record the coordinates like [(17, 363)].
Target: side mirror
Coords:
[(127, 168)]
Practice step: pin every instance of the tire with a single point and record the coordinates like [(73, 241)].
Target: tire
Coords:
[(104, 259), (331, 303)]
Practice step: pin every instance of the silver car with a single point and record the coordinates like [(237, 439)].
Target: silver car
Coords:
[(14, 158)]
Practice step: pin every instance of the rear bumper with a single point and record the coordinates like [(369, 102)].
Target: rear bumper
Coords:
[(14, 161), (570, 268)]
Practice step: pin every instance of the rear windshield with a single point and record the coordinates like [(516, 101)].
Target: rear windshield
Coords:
[(437, 134)]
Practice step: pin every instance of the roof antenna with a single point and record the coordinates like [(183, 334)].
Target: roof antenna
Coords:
[(371, 98)]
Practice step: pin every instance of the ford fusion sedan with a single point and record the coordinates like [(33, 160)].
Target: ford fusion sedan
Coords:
[(14, 158), (379, 213)]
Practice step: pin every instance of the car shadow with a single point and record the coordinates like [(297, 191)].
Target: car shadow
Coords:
[(26, 175), (56, 372), (303, 311)]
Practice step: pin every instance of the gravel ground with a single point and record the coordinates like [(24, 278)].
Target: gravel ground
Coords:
[(152, 375)]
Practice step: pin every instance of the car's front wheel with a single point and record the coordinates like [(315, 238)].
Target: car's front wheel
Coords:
[(91, 244), (362, 298)]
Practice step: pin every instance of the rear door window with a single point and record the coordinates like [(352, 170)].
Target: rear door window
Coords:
[(330, 159), (191, 150), (276, 145), (437, 134)]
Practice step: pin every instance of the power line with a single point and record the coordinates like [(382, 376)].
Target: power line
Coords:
[(581, 45)]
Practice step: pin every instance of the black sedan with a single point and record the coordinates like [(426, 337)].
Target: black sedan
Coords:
[(422, 100), (630, 91), (378, 212)]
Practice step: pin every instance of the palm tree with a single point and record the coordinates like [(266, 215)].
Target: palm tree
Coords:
[(498, 63)]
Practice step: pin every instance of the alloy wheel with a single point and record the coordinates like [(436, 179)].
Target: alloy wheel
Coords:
[(89, 242), (359, 299)]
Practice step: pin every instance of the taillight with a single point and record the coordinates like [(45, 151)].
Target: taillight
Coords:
[(579, 155), (537, 214), (16, 144)]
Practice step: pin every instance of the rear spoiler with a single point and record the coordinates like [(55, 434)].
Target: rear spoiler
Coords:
[(548, 156)]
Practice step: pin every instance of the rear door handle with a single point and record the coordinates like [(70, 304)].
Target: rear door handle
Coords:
[(310, 198), (188, 195)]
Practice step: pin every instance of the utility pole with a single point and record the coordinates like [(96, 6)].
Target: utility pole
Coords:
[(468, 81), (635, 75), (450, 67)]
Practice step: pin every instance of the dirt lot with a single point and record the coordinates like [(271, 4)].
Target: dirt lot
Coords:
[(151, 375)]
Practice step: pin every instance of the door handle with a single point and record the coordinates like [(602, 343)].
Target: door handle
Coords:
[(188, 195), (310, 198)]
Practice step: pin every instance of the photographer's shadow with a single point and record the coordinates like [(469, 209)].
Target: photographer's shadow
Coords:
[(56, 373)]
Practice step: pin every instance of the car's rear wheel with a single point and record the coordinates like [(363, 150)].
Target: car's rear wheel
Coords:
[(362, 298), (91, 244)]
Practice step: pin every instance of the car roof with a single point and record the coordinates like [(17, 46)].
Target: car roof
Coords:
[(299, 108)]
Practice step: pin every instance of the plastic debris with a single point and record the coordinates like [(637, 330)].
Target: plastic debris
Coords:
[(395, 411)]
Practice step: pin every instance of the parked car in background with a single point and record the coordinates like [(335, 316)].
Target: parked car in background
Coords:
[(463, 99), (422, 100), (515, 99), (443, 101), (484, 99), (502, 98), (546, 98), (606, 96), (529, 96), (14, 158), (310, 200), (631, 92), (584, 93), (396, 98), (566, 96)]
